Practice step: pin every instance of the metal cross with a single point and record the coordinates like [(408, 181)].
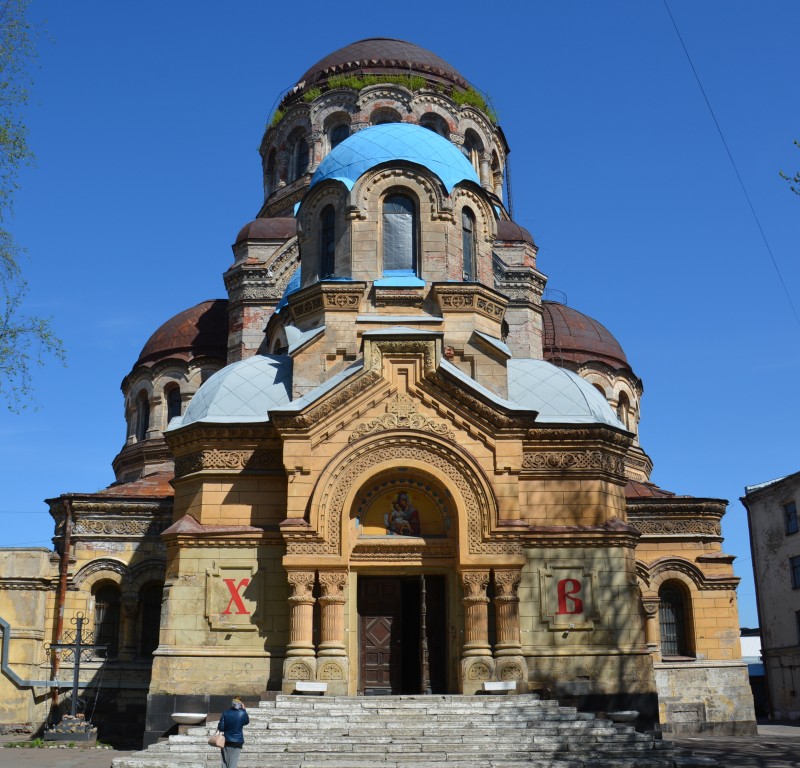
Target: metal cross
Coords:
[(78, 646)]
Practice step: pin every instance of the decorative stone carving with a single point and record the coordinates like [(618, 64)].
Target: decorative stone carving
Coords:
[(470, 298), (332, 602), (330, 671), (479, 671), (298, 671), (506, 606), (511, 671), (676, 527), (402, 414), (359, 463), (560, 460), (323, 410), (476, 616), (120, 527), (301, 604), (215, 459)]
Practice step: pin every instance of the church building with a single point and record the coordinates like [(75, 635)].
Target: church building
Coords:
[(383, 461)]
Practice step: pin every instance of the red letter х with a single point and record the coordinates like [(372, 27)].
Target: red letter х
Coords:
[(236, 599)]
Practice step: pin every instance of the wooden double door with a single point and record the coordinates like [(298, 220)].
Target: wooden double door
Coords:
[(402, 634)]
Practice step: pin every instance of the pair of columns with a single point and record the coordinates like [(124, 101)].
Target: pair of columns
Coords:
[(476, 613), (478, 663), (333, 585)]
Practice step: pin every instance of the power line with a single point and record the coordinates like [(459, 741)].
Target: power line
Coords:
[(733, 163)]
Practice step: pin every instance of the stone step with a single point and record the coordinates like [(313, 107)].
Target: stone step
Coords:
[(415, 732)]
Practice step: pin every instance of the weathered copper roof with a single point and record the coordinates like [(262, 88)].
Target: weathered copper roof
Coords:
[(571, 336), (636, 490), (381, 55), (199, 331), (268, 229), (510, 230), (156, 484)]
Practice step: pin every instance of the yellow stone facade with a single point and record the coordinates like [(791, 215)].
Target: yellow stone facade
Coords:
[(397, 481)]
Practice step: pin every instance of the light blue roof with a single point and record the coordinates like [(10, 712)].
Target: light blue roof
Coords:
[(560, 396), (242, 392), (395, 141)]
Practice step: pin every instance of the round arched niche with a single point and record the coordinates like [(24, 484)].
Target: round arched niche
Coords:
[(403, 502), (337, 492)]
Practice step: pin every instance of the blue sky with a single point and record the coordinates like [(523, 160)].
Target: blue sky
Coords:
[(146, 119)]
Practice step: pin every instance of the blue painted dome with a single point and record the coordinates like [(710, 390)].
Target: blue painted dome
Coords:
[(395, 141), (242, 392), (560, 396)]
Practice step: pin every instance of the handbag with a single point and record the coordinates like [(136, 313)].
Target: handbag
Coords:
[(217, 740)]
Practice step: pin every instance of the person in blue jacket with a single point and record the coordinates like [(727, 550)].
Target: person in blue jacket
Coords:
[(231, 724)]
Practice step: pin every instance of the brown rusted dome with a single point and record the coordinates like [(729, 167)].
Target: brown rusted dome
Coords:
[(382, 55), (571, 336), (201, 331), (268, 229), (510, 230)]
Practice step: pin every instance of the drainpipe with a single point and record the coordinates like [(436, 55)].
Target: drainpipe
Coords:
[(61, 595)]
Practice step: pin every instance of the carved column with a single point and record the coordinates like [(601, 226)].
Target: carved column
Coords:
[(652, 632), (300, 663), (333, 585), (506, 610), (333, 671), (477, 664), (510, 662)]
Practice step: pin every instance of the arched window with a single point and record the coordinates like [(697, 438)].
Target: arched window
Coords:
[(150, 600), (672, 620), (384, 115), (270, 179), (142, 416), (106, 619), (624, 410), (338, 134), (173, 403), (468, 244), (299, 163), (435, 123), (473, 147), (399, 236), (327, 240)]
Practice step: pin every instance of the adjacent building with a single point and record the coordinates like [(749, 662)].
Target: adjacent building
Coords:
[(775, 544), (383, 461)]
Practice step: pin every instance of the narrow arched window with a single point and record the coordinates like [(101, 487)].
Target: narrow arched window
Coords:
[(150, 601), (173, 403), (399, 236), (327, 256), (106, 619), (142, 416), (468, 244), (270, 179), (473, 148), (339, 134), (299, 163), (672, 621), (624, 410)]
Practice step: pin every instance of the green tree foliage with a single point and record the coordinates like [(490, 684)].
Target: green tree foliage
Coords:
[(26, 341), (793, 181)]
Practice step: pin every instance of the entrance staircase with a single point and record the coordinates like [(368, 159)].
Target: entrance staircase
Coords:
[(420, 732)]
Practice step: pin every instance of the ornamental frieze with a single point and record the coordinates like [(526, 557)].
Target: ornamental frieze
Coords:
[(332, 404), (676, 527), (457, 298), (477, 407), (549, 460), (227, 460), (120, 527), (394, 554)]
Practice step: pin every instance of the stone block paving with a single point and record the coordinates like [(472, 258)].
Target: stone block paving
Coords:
[(775, 746)]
